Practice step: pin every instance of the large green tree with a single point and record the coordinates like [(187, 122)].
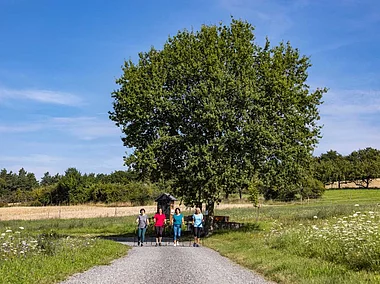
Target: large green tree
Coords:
[(212, 109)]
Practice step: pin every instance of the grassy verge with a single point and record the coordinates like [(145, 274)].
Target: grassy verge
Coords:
[(250, 250), (333, 240), (76, 227), (283, 256), (64, 261)]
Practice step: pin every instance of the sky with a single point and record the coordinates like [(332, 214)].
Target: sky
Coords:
[(59, 60)]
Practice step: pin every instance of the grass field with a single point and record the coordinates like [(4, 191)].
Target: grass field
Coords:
[(332, 240), (279, 241)]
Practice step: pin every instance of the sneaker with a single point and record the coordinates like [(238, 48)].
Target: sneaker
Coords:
[(175, 244), (138, 243), (197, 245), (142, 244), (194, 244), (156, 245), (160, 244)]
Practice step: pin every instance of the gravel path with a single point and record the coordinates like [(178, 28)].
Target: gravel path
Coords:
[(168, 264)]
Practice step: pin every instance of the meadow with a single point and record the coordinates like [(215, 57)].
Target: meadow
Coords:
[(331, 240)]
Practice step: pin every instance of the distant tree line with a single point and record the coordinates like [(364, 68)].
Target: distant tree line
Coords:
[(73, 187), (360, 167)]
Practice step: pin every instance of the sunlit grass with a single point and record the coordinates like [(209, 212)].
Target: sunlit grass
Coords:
[(49, 257), (333, 240)]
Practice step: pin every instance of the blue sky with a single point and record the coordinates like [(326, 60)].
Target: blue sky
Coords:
[(59, 60)]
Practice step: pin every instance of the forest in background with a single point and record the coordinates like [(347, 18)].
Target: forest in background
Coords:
[(73, 187)]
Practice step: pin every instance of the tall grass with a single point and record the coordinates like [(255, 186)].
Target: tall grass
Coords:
[(333, 240), (27, 257), (79, 227)]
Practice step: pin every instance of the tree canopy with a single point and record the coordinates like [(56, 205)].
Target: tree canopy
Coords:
[(213, 109)]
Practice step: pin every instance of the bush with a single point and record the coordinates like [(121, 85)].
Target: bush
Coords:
[(140, 193), (312, 188), (108, 192)]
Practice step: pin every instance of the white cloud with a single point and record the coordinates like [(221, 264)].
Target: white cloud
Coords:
[(43, 96), (275, 17), (41, 163), (86, 128), (20, 128), (83, 127), (350, 119), (351, 102), (35, 158)]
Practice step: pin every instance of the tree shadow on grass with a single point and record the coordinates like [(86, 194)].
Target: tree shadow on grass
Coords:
[(150, 238), (247, 228)]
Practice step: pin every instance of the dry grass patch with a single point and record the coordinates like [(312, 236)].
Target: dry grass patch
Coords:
[(85, 211)]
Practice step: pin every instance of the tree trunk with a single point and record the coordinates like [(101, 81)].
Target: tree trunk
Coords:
[(367, 181)]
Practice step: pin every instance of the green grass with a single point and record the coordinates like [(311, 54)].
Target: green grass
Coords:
[(285, 258), (277, 258), (360, 196), (59, 259), (43, 268), (76, 227), (250, 250)]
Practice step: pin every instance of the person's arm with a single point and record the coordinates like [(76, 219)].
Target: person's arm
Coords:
[(183, 220), (147, 221), (137, 220)]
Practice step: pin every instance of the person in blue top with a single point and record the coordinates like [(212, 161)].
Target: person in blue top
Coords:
[(197, 224), (177, 221)]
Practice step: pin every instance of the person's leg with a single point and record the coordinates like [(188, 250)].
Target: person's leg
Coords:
[(178, 234), (198, 236), (195, 235), (157, 234), (160, 234), (139, 231), (175, 232), (143, 231)]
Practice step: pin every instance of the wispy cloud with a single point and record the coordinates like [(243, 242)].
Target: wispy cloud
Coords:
[(41, 163), (351, 102), (86, 128), (20, 128), (83, 127), (350, 121), (43, 96), (276, 16), (34, 158)]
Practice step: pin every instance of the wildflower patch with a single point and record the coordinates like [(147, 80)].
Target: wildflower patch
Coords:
[(350, 240)]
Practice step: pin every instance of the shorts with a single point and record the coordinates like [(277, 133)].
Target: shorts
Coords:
[(197, 232)]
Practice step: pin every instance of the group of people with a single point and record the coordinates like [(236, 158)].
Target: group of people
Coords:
[(176, 220)]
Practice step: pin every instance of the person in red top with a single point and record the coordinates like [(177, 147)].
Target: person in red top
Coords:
[(159, 222)]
